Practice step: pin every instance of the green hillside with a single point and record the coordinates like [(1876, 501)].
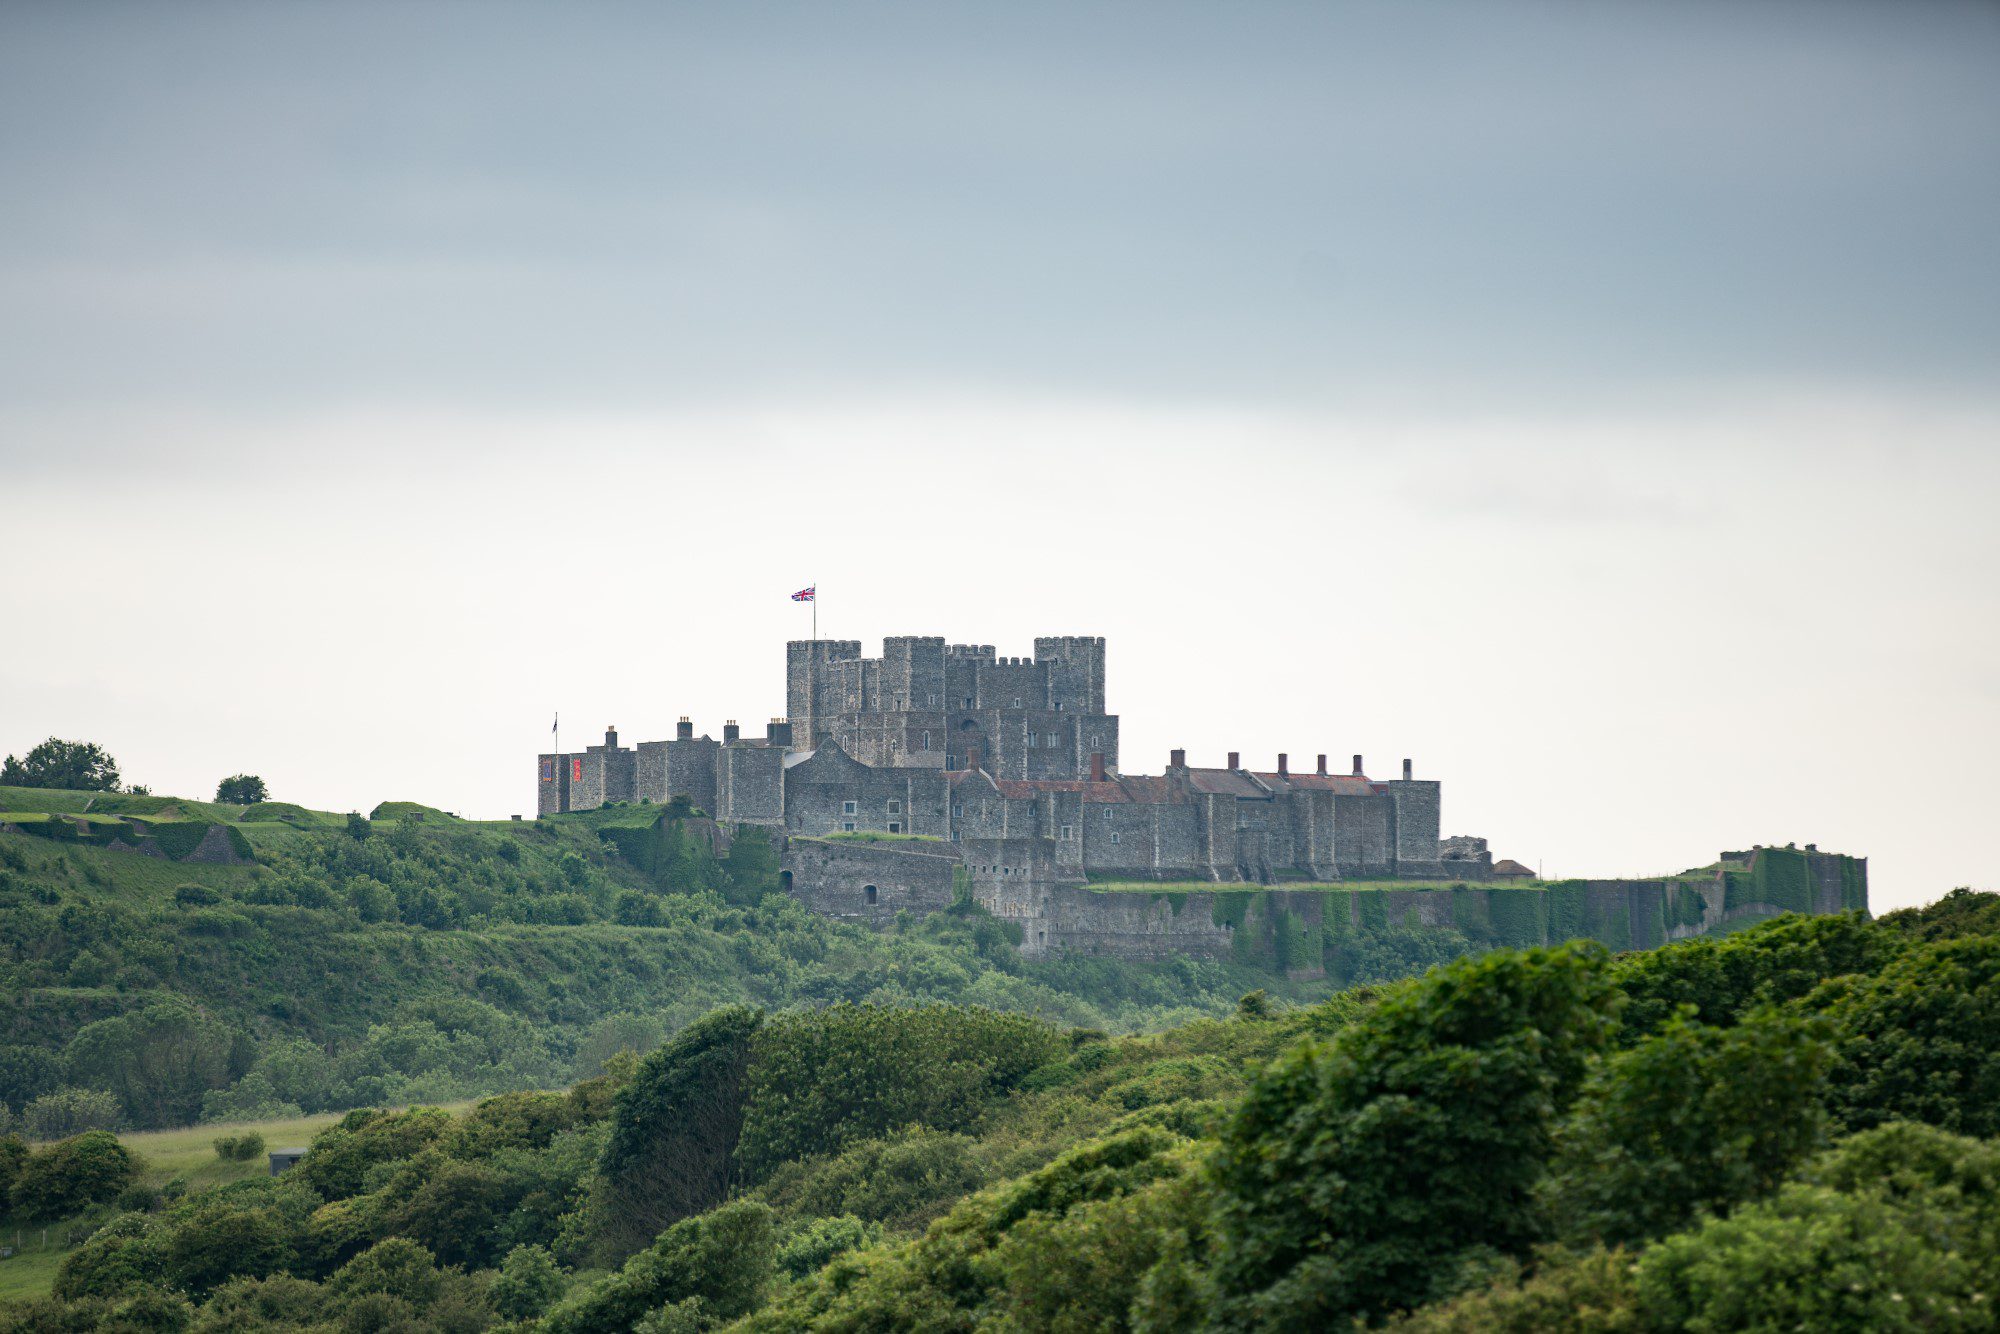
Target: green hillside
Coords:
[(332, 961), (1792, 1127), (302, 961)]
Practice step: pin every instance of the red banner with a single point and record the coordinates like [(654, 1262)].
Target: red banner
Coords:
[(576, 770)]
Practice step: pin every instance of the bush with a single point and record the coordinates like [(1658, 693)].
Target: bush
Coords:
[(239, 1148), (824, 1078), (809, 1247), (1814, 1258), (1693, 1118), (674, 1130), (64, 1177), (721, 1260), (71, 1111), (159, 1060), (527, 1285), (1359, 1176), (1921, 1039)]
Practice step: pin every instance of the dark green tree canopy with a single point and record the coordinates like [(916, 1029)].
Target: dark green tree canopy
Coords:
[(77, 765), (242, 790)]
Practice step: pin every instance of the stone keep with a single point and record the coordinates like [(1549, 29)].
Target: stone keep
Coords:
[(1017, 759)]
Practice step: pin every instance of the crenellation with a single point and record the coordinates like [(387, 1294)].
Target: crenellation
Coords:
[(1004, 770)]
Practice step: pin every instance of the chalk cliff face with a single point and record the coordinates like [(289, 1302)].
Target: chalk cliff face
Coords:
[(1295, 927)]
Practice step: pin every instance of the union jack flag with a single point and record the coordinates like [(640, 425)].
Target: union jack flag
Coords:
[(803, 595)]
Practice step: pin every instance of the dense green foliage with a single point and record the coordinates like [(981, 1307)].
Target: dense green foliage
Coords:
[(1523, 1140), (425, 958), (241, 790), (76, 765)]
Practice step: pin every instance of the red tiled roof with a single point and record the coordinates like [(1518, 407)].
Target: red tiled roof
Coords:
[(1508, 866), (1137, 789), (1346, 785), (1225, 782)]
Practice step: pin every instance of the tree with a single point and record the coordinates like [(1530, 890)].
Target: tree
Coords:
[(59, 1180), (241, 790), (721, 1259), (71, 1111), (77, 765), (159, 1060), (675, 1128), (1693, 1118), (527, 1284), (26, 1073), (1374, 1172), (1921, 1039)]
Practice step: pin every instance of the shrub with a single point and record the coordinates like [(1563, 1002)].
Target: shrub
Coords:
[(528, 1283), (1359, 1175), (674, 1129), (159, 1060), (721, 1259), (809, 1247), (71, 1111), (1693, 1118), (64, 1177), (1814, 1258), (824, 1078), (1921, 1039)]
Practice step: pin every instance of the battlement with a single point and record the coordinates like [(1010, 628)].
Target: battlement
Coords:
[(970, 651)]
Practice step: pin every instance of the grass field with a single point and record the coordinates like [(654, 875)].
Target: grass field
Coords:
[(188, 1153)]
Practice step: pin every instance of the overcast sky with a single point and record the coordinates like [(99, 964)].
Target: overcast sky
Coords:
[(1598, 403)]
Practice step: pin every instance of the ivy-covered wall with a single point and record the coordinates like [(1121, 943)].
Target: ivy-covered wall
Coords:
[(1359, 933)]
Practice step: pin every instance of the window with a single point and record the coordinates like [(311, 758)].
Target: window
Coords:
[(1050, 740), (965, 703), (1058, 706), (1107, 812), (870, 891), (930, 699), (895, 827), (1114, 837), (1066, 833), (958, 810), (1031, 741), (847, 808), (895, 807), (847, 826), (1017, 701)]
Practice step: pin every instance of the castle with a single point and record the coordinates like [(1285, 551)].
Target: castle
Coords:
[(935, 774), (1013, 763)]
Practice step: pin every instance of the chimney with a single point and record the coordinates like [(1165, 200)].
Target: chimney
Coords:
[(1284, 765), (730, 732), (1322, 766), (1097, 766), (611, 737), (1406, 771), (1357, 766), (1177, 759), (1233, 758), (779, 733), (684, 730)]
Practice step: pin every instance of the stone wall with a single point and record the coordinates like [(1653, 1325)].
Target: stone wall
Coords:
[(867, 881)]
